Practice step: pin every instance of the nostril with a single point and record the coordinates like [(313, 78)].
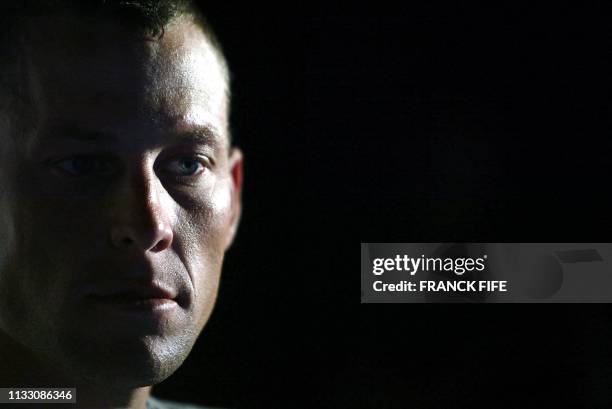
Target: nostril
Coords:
[(161, 245)]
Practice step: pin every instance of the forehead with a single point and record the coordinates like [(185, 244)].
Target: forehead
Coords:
[(97, 74)]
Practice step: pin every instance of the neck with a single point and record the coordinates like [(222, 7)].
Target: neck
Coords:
[(22, 369)]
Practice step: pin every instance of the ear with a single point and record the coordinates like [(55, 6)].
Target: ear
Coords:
[(235, 169)]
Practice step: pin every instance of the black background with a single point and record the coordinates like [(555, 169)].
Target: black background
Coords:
[(443, 122)]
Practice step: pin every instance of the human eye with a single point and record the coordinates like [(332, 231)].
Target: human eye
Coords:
[(84, 166), (185, 166)]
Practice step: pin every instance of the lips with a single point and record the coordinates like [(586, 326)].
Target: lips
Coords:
[(136, 306), (135, 309), (137, 292), (133, 293)]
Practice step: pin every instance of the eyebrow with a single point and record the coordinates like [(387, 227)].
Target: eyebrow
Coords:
[(202, 134), (76, 134), (205, 135)]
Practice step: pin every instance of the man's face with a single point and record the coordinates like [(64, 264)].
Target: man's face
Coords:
[(122, 197)]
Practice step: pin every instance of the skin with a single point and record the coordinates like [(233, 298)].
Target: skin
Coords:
[(124, 173)]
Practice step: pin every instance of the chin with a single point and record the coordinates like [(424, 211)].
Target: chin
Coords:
[(140, 362)]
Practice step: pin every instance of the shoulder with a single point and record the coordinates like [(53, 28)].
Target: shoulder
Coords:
[(155, 403)]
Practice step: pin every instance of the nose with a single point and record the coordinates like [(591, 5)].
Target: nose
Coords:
[(142, 218)]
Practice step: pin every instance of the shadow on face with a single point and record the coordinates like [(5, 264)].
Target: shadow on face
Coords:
[(125, 197)]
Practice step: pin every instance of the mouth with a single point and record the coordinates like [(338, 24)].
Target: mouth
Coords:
[(135, 302), (150, 299)]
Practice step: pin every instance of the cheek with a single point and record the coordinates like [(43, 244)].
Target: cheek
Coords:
[(64, 225), (33, 283), (51, 241), (205, 240), (221, 200), (210, 222)]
